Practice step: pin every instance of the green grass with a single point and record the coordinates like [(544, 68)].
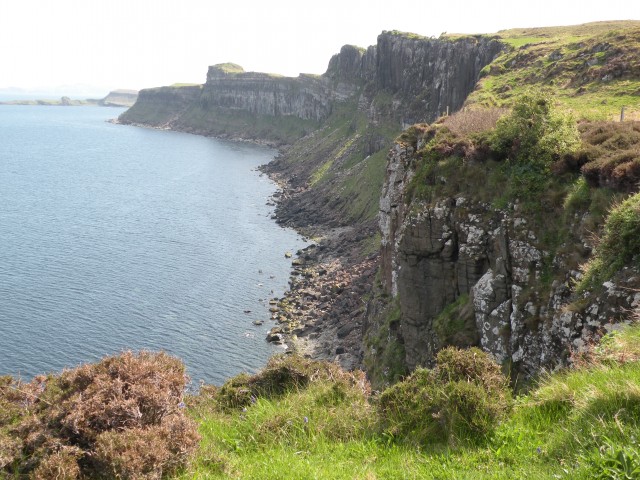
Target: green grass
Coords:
[(592, 69), (574, 424), (517, 42), (384, 354), (335, 160), (240, 124), (229, 67)]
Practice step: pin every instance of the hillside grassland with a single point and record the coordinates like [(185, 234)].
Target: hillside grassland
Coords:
[(593, 69), (580, 423)]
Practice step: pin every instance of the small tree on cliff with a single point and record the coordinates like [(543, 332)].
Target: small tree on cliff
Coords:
[(535, 132)]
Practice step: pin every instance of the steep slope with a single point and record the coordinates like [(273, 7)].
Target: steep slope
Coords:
[(593, 69), (498, 251), (481, 252), (474, 252)]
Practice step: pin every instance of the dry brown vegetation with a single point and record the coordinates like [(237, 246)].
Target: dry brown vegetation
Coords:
[(474, 120), (611, 154), (120, 418)]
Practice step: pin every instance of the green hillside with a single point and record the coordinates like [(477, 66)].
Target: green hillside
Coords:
[(594, 69)]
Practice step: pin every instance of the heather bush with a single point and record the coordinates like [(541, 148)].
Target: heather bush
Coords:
[(462, 399), (473, 121), (120, 418), (59, 465), (608, 157)]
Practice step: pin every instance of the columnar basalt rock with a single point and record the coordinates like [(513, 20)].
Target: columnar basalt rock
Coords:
[(307, 97), (435, 253), (424, 76)]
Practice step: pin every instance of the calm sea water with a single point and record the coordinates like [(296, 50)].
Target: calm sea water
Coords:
[(115, 237)]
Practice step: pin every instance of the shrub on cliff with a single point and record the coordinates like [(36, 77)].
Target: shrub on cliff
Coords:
[(462, 399), (619, 244), (120, 418), (535, 132)]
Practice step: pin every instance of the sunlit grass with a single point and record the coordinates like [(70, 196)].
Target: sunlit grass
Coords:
[(571, 425)]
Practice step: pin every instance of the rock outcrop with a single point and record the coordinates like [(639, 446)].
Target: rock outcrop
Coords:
[(120, 98), (306, 97), (421, 77), (519, 298)]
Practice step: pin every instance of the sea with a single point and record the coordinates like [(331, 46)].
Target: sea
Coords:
[(116, 238)]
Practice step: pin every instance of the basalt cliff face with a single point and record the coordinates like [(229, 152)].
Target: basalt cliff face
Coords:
[(306, 97), (421, 77), (462, 271)]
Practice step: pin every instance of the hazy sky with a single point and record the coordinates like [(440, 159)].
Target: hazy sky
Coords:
[(145, 43)]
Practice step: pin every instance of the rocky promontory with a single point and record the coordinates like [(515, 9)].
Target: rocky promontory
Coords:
[(233, 103), (417, 244), (115, 98)]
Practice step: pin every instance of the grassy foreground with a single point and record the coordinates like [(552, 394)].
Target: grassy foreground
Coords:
[(580, 423), (125, 418)]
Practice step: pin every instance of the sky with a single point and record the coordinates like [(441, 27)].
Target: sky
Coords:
[(100, 45)]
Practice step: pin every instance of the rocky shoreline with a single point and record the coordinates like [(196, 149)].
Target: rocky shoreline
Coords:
[(321, 316)]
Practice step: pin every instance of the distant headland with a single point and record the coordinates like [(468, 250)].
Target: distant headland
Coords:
[(115, 98)]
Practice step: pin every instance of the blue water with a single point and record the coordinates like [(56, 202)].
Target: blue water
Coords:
[(115, 237)]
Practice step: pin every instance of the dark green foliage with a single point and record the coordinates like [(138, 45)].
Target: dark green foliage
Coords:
[(385, 354), (619, 244), (461, 400), (90, 421), (455, 325), (535, 132), (282, 374), (525, 142)]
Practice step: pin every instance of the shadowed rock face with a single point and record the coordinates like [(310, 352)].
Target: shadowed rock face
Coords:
[(161, 107), (433, 254), (424, 76), (430, 75)]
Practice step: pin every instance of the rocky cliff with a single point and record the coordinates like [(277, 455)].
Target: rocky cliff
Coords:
[(463, 266), (161, 107), (403, 77), (463, 270), (120, 98), (306, 97)]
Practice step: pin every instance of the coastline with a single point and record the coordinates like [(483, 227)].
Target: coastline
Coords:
[(321, 314), (262, 143)]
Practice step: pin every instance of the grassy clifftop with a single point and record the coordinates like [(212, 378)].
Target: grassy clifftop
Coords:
[(594, 69), (581, 423)]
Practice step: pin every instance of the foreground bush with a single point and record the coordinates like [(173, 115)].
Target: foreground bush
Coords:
[(463, 398), (282, 374), (120, 418), (535, 132)]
